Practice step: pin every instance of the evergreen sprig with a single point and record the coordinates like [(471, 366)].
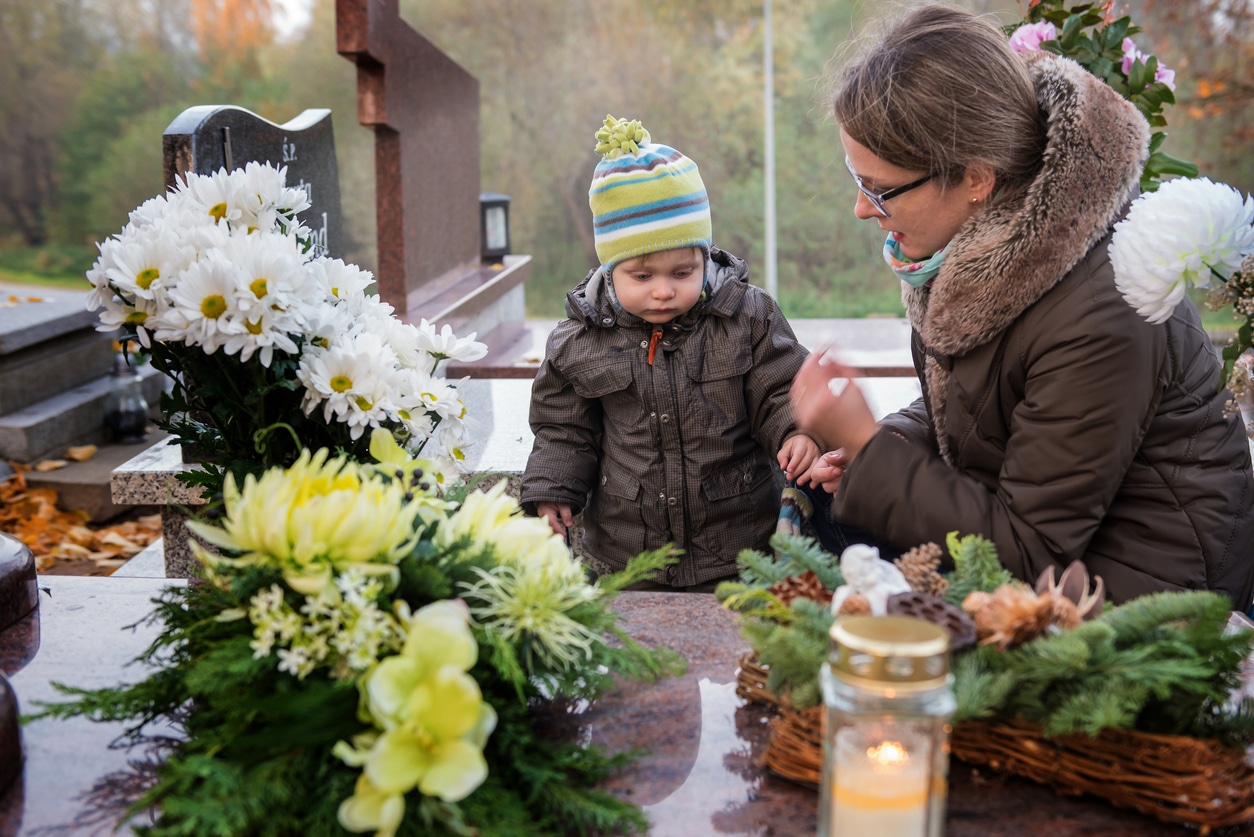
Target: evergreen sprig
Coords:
[(1163, 663), (255, 755)]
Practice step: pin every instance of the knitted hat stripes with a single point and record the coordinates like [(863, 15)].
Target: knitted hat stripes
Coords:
[(645, 197)]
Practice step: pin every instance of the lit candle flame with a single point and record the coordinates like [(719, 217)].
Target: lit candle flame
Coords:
[(889, 757)]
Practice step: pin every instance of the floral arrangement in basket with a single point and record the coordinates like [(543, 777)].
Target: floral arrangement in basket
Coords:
[(271, 349), (365, 655), (1050, 662)]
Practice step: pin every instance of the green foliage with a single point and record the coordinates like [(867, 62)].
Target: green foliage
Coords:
[(256, 757), (1085, 36), (975, 567), (1161, 663)]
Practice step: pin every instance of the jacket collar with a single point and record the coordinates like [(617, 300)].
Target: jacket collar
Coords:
[(729, 277), (1004, 259)]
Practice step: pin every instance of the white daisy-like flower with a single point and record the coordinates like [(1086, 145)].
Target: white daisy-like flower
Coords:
[(338, 279), (348, 380), (269, 200), (207, 298), (219, 195), (140, 266), (1179, 236), (445, 344)]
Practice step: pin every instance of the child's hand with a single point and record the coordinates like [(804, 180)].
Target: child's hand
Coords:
[(796, 456), (557, 514), (826, 471)]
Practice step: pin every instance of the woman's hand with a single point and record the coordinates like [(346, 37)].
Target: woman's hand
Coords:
[(796, 456), (826, 471), (827, 402), (558, 515)]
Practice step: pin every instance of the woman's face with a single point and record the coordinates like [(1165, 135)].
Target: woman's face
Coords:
[(924, 219)]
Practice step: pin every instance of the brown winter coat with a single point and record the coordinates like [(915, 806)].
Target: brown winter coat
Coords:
[(1054, 419), (682, 451)]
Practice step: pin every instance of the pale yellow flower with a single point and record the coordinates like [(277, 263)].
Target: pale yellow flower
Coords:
[(315, 519), (433, 718)]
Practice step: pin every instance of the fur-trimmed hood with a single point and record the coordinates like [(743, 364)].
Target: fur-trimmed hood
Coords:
[(1005, 258)]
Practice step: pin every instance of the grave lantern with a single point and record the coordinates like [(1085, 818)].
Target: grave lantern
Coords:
[(887, 691), (494, 224)]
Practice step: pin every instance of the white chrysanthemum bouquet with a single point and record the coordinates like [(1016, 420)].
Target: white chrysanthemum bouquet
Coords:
[(367, 654), (272, 349), (1186, 234)]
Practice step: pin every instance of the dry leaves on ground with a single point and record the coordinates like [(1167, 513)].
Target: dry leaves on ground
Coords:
[(31, 515)]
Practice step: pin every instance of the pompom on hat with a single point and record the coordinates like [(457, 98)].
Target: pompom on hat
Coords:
[(645, 197)]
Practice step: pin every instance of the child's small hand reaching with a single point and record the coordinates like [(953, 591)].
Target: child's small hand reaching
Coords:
[(796, 455), (558, 515)]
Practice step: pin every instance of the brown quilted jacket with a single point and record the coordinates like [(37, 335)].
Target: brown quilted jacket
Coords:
[(680, 452), (1054, 419)]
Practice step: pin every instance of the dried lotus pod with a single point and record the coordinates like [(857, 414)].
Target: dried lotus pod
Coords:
[(855, 604), (804, 586), (937, 611)]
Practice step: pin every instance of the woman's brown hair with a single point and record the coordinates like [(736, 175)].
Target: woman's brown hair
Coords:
[(939, 90)]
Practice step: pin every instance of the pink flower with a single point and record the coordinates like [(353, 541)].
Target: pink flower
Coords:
[(1131, 55), (1028, 37)]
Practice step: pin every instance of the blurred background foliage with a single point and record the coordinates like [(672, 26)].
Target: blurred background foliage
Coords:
[(87, 86)]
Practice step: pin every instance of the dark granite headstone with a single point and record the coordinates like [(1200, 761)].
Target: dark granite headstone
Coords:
[(206, 138)]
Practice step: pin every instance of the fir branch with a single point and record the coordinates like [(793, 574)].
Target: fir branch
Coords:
[(975, 567)]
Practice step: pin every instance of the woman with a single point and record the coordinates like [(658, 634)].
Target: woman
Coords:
[(1054, 420)]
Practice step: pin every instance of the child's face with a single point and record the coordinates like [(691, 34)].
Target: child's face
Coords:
[(659, 287)]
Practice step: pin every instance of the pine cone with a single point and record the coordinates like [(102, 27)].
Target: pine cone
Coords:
[(855, 604), (920, 567), (1010, 616), (804, 586), (937, 611)]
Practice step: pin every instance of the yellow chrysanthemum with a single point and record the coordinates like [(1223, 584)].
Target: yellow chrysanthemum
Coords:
[(316, 518)]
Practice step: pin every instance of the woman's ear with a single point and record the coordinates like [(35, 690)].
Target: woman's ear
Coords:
[(980, 180)]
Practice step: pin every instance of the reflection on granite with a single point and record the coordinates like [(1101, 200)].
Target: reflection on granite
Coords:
[(18, 594), (701, 776)]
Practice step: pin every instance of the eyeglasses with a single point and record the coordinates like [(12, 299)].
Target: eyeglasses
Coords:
[(877, 201)]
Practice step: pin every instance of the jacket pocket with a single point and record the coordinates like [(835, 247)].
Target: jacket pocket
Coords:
[(614, 520), (599, 376), (744, 477), (739, 510), (719, 365)]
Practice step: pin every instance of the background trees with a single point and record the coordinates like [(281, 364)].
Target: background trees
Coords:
[(87, 86)]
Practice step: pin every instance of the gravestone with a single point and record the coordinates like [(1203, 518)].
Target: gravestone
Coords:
[(206, 138), (424, 110), (54, 373)]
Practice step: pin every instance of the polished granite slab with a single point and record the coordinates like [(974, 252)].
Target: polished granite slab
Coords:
[(701, 777)]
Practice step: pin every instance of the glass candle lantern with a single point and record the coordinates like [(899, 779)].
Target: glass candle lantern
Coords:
[(126, 409), (888, 697)]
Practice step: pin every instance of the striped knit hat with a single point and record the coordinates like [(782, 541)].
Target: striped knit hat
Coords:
[(645, 197)]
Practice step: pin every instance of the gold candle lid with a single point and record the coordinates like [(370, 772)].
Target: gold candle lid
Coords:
[(899, 652)]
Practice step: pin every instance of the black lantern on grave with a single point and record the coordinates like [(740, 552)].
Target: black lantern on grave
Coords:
[(494, 225)]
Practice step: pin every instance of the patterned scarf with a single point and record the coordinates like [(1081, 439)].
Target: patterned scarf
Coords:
[(915, 273)]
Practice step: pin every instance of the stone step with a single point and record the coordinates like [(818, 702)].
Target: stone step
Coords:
[(34, 373), (73, 417), (85, 486)]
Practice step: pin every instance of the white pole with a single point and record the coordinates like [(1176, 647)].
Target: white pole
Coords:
[(768, 61)]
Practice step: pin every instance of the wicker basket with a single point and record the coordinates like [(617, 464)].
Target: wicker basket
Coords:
[(1172, 777)]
